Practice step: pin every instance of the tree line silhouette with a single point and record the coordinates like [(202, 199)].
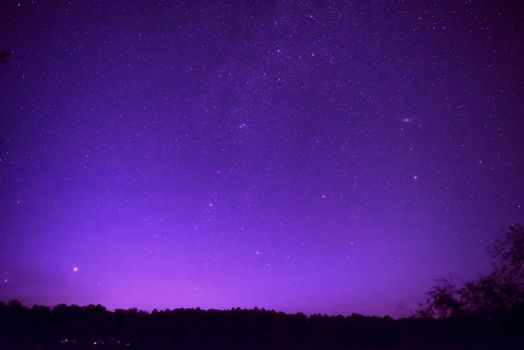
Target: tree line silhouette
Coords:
[(483, 314)]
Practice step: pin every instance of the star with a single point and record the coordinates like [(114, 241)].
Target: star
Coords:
[(75, 269)]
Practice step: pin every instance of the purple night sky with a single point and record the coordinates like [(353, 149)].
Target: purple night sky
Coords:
[(303, 156)]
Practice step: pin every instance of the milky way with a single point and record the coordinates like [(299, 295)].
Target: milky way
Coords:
[(330, 157)]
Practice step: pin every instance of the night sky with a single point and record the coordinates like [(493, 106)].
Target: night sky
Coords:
[(308, 156)]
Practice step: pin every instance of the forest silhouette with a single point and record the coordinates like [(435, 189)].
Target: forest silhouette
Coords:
[(483, 314)]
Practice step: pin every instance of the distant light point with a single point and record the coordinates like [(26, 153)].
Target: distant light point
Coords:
[(75, 269)]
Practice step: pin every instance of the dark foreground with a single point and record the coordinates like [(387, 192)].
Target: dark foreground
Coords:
[(93, 327)]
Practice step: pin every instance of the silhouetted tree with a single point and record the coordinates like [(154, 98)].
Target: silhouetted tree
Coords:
[(508, 256), (500, 291), (443, 300)]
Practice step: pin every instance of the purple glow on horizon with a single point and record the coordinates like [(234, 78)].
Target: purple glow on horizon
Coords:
[(302, 157)]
